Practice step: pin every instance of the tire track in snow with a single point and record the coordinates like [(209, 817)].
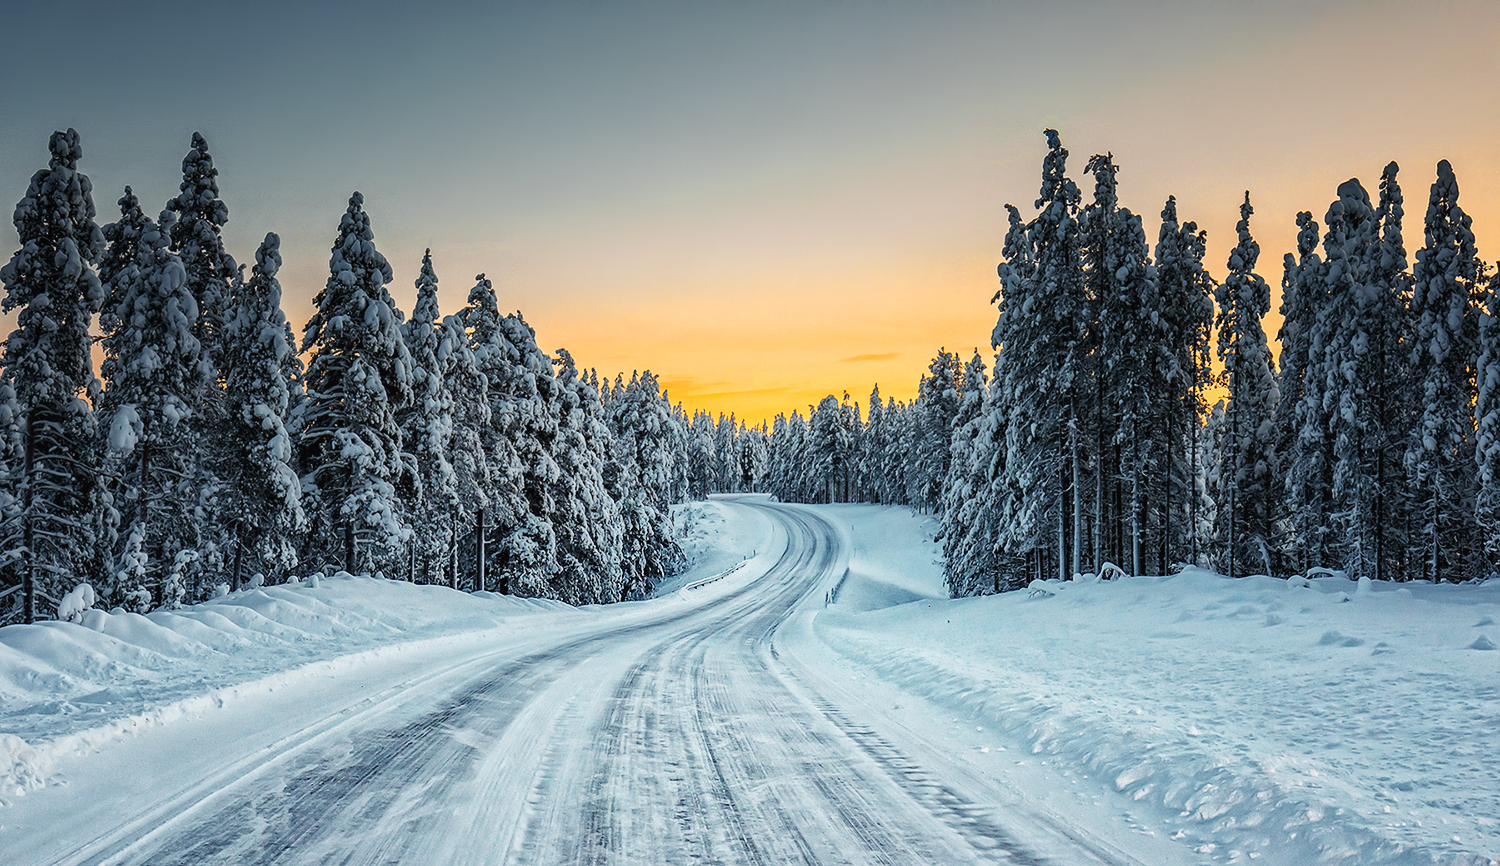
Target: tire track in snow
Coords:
[(686, 739)]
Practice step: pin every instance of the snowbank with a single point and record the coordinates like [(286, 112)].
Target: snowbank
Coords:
[(893, 558), (1255, 719), (66, 686), (715, 540)]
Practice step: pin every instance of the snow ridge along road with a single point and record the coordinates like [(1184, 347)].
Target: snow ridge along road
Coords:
[(696, 733)]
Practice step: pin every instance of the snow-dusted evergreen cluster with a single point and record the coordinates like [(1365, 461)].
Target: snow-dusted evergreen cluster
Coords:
[(1374, 448), (437, 449), (897, 453)]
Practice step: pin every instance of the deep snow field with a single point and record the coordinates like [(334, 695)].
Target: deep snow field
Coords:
[(1252, 720)]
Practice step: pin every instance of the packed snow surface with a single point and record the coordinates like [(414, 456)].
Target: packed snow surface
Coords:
[(805, 693)]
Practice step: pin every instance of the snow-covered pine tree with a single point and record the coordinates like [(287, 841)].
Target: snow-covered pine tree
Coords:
[(828, 449), (194, 220), (1188, 311), (505, 505), (1487, 438), (1247, 458), (196, 239), (1394, 401), (358, 378), (154, 374), (468, 455), (752, 456), (590, 532), (427, 433), (1363, 324), (726, 454), (872, 467), (1301, 422), (1440, 454), (1096, 424), (48, 366), (970, 532), (1133, 361), (1016, 300), (643, 429), (1041, 332), (939, 394), (526, 553), (702, 455), (260, 500)]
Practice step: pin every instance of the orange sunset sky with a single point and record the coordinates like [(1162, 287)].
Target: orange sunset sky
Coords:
[(763, 203)]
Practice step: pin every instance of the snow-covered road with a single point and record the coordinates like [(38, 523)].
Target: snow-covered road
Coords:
[(694, 732)]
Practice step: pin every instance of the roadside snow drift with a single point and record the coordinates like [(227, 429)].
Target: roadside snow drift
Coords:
[(69, 685), (1321, 721)]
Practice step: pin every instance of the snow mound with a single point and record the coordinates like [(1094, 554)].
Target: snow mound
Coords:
[(894, 559), (1246, 718), (69, 685)]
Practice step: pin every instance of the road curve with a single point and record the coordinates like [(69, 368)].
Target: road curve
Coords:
[(689, 737)]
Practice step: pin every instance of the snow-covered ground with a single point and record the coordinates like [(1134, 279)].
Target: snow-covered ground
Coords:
[(1249, 719), (1187, 719)]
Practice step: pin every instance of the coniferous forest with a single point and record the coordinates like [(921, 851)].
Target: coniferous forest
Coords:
[(1371, 448), (216, 448)]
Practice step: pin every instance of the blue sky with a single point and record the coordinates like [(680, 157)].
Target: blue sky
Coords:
[(744, 197)]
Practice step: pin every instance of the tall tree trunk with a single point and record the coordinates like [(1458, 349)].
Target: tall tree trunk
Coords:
[(1077, 495), (239, 554), (1099, 549), (1062, 515), (1164, 558), (1135, 506), (480, 578)]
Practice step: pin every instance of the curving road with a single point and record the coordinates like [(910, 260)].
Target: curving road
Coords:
[(691, 736)]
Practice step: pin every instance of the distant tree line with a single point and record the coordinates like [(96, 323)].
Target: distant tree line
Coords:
[(441, 449), (1372, 448)]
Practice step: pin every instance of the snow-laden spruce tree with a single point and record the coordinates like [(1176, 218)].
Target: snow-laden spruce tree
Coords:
[(154, 373), (1247, 457), (1301, 421), (194, 221), (779, 460), (1394, 397), (1016, 298), (702, 455), (196, 236), (1131, 360), (1040, 333), (1361, 348), (259, 501), (358, 377), (1487, 436), (726, 454), (1440, 452), (1188, 313), (526, 552), (505, 505), (753, 455), (872, 458), (1095, 429), (427, 433), (472, 474), (971, 503), (590, 533), (55, 535), (642, 427), (829, 447)]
